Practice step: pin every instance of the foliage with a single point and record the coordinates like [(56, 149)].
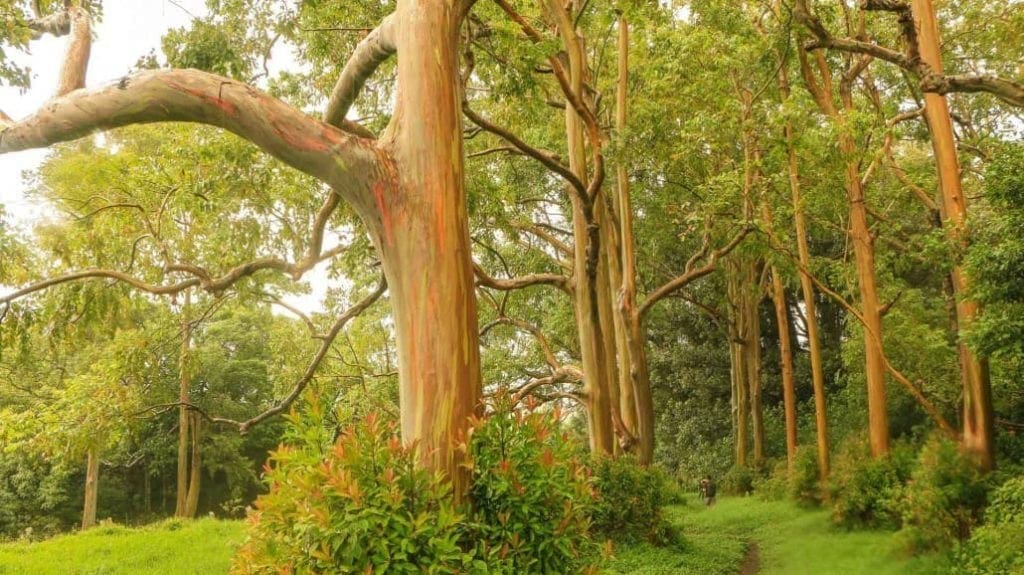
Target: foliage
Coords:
[(629, 503), (358, 504), (531, 495), (862, 488), (804, 478), (943, 499), (739, 480), (997, 547)]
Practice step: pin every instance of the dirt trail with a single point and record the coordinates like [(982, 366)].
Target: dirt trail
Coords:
[(752, 564)]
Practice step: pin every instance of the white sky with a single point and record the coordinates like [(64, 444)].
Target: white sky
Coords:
[(130, 29)]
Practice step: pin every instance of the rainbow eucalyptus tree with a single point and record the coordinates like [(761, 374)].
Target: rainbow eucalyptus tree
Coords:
[(405, 185)]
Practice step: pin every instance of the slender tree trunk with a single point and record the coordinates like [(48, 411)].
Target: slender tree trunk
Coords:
[(782, 320), (92, 483), (636, 340), (739, 365), (806, 285), (423, 236), (192, 501), (863, 247), (977, 392), (752, 352), (597, 370), (184, 418)]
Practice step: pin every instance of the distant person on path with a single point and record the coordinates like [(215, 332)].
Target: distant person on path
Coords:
[(707, 491)]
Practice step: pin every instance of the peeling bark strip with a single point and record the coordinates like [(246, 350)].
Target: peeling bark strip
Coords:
[(76, 60)]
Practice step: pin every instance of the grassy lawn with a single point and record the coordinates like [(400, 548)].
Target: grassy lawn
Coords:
[(172, 547), (791, 541)]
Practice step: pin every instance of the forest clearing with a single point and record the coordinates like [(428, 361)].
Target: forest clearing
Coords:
[(512, 287)]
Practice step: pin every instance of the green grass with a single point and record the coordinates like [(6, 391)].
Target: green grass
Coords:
[(172, 547), (792, 541)]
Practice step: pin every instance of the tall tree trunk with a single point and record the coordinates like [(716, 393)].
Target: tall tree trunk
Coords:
[(978, 414), (92, 483), (806, 285), (423, 236), (782, 320), (598, 371), (184, 419), (635, 340), (738, 362), (863, 247), (752, 353), (195, 472)]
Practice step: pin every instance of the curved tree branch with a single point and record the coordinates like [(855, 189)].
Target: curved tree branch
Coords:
[(194, 96), (693, 273), (483, 279), (370, 53), (327, 340)]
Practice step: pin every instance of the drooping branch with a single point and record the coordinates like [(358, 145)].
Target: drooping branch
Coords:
[(692, 273), (327, 340), (542, 340), (547, 159), (152, 96), (565, 374), (370, 53)]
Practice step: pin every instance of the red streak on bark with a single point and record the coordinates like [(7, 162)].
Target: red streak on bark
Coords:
[(224, 105), (439, 215), (332, 135), (297, 139), (385, 216)]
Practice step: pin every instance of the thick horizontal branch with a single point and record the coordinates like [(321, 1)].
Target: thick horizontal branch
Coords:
[(311, 146), (327, 341), (369, 54), (484, 280)]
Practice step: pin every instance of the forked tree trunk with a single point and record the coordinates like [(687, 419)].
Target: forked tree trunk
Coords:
[(977, 392), (423, 236), (92, 483)]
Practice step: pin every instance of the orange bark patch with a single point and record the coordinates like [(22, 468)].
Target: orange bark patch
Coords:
[(385, 217)]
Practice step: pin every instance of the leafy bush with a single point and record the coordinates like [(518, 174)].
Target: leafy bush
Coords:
[(804, 482), (363, 505), (944, 498), (531, 496), (629, 502), (862, 488), (775, 485), (997, 547), (739, 480)]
